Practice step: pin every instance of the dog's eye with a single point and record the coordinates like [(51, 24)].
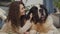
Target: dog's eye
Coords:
[(41, 10)]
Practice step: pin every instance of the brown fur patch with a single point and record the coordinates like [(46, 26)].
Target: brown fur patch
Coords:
[(42, 28)]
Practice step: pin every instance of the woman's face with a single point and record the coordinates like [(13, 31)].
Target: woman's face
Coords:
[(22, 9)]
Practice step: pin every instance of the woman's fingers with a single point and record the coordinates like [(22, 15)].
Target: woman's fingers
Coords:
[(30, 16)]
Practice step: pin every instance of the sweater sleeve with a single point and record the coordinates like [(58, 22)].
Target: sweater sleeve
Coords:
[(25, 27)]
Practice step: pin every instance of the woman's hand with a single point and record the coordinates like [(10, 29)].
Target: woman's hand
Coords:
[(30, 16)]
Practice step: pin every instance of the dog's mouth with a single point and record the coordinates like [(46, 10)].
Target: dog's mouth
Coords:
[(42, 17)]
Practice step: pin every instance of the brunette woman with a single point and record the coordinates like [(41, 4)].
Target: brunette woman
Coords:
[(15, 19)]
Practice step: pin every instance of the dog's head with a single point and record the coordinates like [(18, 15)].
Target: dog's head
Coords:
[(39, 13)]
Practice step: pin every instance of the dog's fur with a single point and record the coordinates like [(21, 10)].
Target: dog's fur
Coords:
[(42, 26)]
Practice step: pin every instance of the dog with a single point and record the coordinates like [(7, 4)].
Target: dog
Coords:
[(41, 21)]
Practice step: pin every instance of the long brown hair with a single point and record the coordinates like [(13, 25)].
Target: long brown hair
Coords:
[(14, 14)]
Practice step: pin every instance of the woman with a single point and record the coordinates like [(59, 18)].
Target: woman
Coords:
[(41, 23), (15, 19)]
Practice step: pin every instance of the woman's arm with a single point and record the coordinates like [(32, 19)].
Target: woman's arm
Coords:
[(25, 27)]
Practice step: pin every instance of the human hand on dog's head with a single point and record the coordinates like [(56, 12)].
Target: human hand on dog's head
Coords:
[(30, 16)]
